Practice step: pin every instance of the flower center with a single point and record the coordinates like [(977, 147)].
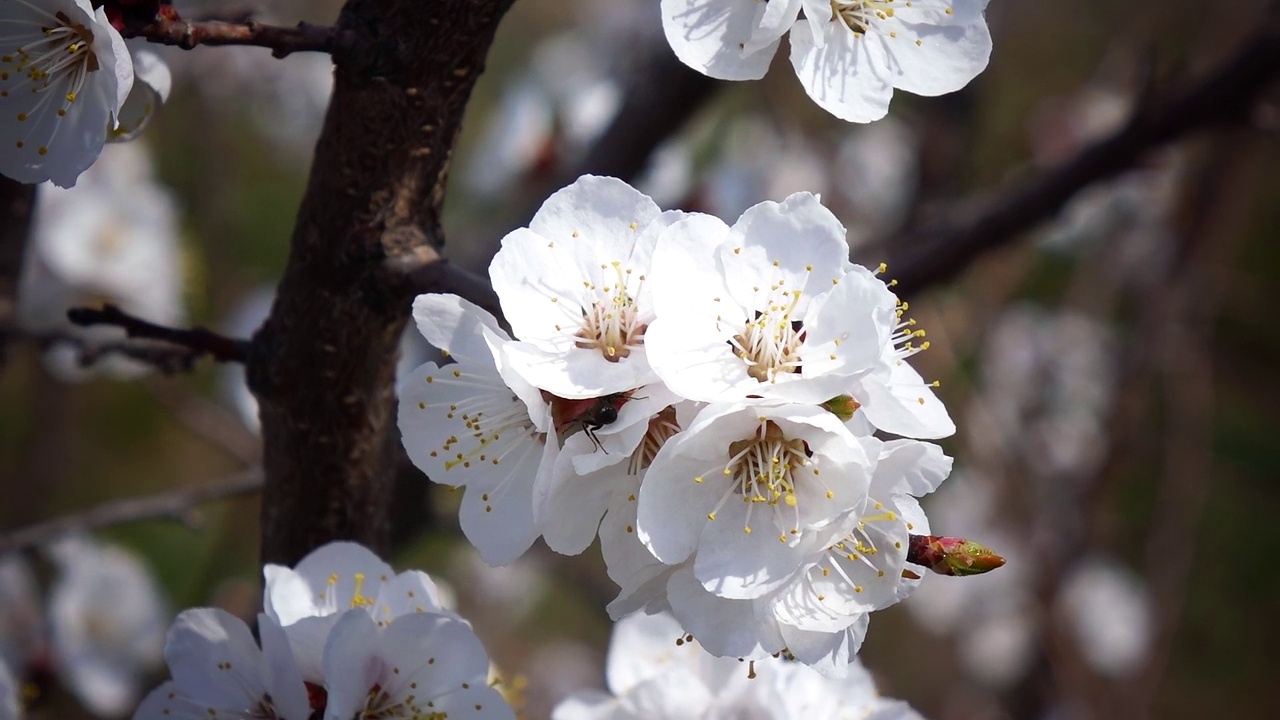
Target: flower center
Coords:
[(860, 14), (662, 426), (612, 324), (764, 472), (56, 64), (770, 342)]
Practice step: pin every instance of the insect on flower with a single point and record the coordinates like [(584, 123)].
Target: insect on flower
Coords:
[(587, 414)]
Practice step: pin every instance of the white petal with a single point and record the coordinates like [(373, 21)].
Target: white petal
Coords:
[(909, 466), (330, 579), (711, 36), (905, 405), (152, 81), (215, 661), (932, 59), (727, 628), (841, 72)]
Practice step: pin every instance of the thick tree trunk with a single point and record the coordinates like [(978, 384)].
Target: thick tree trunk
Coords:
[(322, 366)]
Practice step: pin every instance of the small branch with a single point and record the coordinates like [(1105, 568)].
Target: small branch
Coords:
[(442, 276), (172, 504), (187, 34), (197, 341), (935, 254)]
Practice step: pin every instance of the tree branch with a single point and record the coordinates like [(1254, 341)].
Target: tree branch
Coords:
[(935, 254), (322, 366), (171, 504), (198, 341), (187, 34)]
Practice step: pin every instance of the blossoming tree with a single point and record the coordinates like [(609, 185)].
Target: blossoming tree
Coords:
[(730, 403)]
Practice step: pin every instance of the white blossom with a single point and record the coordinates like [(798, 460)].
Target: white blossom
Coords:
[(575, 287), (64, 75), (476, 424), (419, 665), (219, 671), (655, 671), (748, 492), (1110, 610), (850, 55), (107, 619), (770, 309), (571, 500), (308, 600)]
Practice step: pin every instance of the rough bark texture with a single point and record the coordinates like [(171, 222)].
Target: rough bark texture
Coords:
[(322, 366)]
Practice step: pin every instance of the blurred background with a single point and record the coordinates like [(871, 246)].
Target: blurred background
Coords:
[(1111, 373)]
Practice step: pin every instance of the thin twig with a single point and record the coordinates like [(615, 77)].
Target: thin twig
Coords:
[(200, 341), (170, 504), (934, 254), (282, 40)]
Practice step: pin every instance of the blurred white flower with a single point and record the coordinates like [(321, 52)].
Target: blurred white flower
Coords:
[(758, 161), (64, 74), (547, 116), (1111, 613), (656, 671), (286, 98), (848, 54), (21, 622), (107, 619), (876, 174), (10, 700), (112, 238), (993, 618)]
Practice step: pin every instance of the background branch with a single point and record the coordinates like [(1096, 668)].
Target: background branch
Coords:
[(197, 341), (931, 255), (171, 504)]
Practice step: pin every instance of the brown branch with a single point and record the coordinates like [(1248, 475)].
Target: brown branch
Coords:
[(197, 342), (171, 504), (187, 34), (935, 254), (322, 366)]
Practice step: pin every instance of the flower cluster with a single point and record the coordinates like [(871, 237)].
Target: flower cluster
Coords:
[(850, 55), (68, 84), (342, 636), (702, 398), (655, 673)]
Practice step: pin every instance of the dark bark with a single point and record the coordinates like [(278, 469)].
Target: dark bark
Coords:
[(322, 366), (16, 203)]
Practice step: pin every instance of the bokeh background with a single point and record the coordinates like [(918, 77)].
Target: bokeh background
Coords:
[(1112, 373)]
